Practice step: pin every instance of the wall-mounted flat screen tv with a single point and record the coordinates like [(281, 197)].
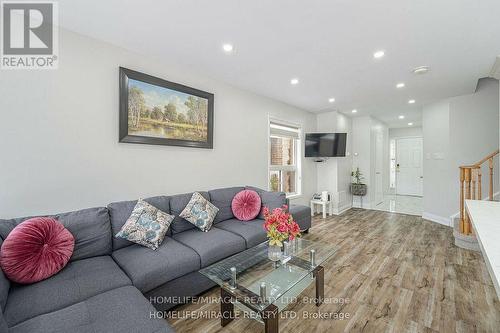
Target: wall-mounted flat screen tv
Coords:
[(325, 144)]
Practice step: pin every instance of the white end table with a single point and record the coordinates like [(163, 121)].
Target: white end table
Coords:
[(323, 205)]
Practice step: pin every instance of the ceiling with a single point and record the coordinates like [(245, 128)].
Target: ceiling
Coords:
[(328, 45)]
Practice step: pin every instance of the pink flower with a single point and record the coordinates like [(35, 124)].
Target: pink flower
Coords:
[(282, 227), (265, 211)]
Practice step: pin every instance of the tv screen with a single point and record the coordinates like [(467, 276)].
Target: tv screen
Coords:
[(325, 144)]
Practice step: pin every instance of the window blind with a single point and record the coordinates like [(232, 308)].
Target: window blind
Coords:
[(284, 130)]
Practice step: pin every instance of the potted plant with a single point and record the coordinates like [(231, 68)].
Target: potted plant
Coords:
[(357, 186), (280, 226)]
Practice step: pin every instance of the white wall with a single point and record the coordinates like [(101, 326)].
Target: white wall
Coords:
[(59, 135), (334, 175), (474, 131), (405, 132), (378, 127), (361, 150), (457, 131), (438, 172)]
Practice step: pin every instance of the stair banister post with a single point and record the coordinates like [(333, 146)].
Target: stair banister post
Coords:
[(467, 196), (462, 221)]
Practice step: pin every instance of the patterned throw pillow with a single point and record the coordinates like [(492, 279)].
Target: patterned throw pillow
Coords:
[(146, 226), (200, 212)]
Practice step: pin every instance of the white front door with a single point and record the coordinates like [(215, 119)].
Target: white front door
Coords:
[(409, 171)]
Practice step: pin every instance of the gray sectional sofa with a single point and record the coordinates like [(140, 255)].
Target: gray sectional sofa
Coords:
[(113, 285)]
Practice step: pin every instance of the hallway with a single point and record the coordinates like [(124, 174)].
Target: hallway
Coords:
[(405, 204)]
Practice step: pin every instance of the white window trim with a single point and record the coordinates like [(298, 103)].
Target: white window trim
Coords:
[(298, 158)]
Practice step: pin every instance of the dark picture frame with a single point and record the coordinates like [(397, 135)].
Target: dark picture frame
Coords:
[(124, 136)]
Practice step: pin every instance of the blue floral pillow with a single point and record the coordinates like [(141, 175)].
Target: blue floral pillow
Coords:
[(200, 212), (147, 225)]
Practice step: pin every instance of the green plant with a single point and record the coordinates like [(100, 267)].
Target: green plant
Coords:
[(358, 176)]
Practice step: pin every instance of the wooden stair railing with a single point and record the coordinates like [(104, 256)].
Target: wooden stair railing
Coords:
[(471, 188)]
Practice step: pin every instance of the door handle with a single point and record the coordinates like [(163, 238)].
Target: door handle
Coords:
[(421, 177)]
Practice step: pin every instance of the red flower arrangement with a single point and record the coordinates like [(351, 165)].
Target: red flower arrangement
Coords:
[(280, 225)]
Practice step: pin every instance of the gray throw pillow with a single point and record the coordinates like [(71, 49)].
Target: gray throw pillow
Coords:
[(147, 225), (200, 212)]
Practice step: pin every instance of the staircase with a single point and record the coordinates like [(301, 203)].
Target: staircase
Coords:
[(471, 189)]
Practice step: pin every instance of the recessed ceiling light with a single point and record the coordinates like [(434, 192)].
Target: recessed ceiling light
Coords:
[(411, 101), (400, 85), (401, 117), (294, 81), (378, 54), (354, 111), (228, 48), (410, 124), (331, 100), (421, 70)]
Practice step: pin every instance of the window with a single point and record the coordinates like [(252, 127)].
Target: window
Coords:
[(284, 158), (392, 165)]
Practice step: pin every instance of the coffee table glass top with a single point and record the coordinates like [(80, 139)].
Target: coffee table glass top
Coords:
[(283, 280)]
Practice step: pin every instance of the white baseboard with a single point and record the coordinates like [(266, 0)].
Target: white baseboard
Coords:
[(342, 209), (358, 205), (438, 219)]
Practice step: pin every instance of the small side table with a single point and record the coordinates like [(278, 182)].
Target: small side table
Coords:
[(323, 205)]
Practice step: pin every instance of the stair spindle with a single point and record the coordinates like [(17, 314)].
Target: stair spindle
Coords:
[(471, 188), (473, 182), (479, 189), (462, 221), (491, 177)]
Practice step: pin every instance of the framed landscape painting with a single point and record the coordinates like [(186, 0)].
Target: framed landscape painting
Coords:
[(159, 112)]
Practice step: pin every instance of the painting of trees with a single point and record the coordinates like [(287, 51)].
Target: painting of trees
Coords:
[(181, 118), (136, 105), (156, 111), (156, 114), (171, 112), (198, 112)]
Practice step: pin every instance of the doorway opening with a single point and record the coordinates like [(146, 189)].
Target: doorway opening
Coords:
[(405, 176)]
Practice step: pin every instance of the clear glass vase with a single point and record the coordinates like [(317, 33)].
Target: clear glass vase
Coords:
[(274, 252)]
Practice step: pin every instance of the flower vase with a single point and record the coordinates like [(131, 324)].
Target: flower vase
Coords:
[(274, 252)]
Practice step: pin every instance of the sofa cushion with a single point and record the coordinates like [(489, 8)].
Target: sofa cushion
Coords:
[(90, 227), (269, 199), (3, 324), (118, 310), (149, 269), (302, 215), (78, 281), (222, 199), (213, 245), (146, 226), (119, 213), (177, 204), (4, 287), (252, 231), (200, 212), (35, 250), (246, 205)]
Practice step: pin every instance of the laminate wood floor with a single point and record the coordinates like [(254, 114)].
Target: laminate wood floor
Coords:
[(395, 273)]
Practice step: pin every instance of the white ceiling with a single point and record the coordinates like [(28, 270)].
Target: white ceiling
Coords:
[(328, 45)]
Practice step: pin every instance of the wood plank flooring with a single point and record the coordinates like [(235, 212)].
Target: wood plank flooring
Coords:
[(396, 273)]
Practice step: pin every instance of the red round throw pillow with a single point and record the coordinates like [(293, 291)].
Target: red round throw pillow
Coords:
[(35, 250), (246, 205)]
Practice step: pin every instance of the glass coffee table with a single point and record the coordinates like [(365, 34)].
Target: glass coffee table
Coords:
[(263, 287)]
